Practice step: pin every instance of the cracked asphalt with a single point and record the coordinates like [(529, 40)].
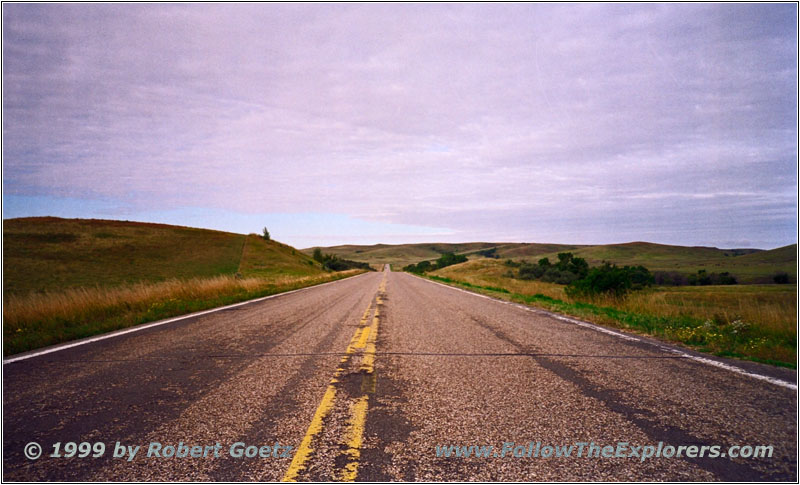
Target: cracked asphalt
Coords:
[(373, 373)]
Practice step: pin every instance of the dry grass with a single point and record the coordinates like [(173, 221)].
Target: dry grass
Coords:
[(773, 308), (38, 319), (758, 322), (488, 272)]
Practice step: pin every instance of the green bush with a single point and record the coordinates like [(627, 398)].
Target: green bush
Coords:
[(529, 271), (568, 269), (489, 253), (449, 259), (331, 262), (610, 279), (703, 278), (781, 278), (446, 259), (420, 267)]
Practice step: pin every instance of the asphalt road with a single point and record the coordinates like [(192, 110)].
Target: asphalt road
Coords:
[(364, 378)]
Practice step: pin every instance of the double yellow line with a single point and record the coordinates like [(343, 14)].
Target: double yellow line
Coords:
[(364, 338)]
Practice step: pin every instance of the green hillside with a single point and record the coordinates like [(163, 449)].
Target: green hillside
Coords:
[(65, 279), (399, 255), (748, 265), (52, 254), (530, 250), (270, 258)]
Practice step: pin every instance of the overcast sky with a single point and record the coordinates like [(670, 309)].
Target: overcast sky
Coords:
[(367, 123)]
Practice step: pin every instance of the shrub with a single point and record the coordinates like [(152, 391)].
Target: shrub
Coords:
[(489, 253), (424, 266), (670, 278), (781, 278), (331, 262), (531, 271), (703, 278), (449, 259), (568, 269), (265, 234), (420, 267), (334, 263), (610, 279), (726, 279)]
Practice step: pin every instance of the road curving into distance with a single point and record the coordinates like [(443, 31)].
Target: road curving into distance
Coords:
[(378, 377)]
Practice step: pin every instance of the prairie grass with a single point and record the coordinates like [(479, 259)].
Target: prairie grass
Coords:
[(755, 322), (39, 319)]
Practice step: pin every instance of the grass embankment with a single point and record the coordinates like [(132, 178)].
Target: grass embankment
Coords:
[(38, 320), (47, 254), (754, 322), (97, 276)]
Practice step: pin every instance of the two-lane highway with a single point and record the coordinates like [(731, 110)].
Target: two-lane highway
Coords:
[(372, 377)]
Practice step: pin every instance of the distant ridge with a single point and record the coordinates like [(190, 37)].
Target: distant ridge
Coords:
[(749, 265)]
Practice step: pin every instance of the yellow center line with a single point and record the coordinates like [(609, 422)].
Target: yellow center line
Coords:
[(363, 338), (358, 411), (305, 450), (362, 341), (355, 433)]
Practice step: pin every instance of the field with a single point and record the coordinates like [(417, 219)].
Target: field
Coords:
[(750, 266), (756, 322), (399, 255), (68, 279)]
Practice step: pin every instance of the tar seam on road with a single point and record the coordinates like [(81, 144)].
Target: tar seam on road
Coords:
[(363, 338), (662, 347), (358, 410), (137, 328)]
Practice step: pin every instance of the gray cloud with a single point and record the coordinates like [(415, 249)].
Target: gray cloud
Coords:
[(590, 122)]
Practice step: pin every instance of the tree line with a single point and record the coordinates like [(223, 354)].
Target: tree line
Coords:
[(446, 259), (331, 262)]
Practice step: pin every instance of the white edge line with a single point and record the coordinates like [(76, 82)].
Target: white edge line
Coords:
[(664, 348), (137, 328)]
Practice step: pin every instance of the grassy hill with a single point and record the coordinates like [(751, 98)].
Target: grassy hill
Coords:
[(399, 255), (531, 250), (51, 254), (750, 266), (65, 279)]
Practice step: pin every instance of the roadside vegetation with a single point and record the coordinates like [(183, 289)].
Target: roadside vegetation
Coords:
[(400, 255), (445, 260), (41, 319), (331, 262), (670, 265), (754, 322), (69, 279)]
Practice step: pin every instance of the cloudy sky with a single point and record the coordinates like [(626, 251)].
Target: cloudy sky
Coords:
[(367, 123)]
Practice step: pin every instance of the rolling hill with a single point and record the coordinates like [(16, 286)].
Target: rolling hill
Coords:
[(400, 255), (748, 265), (52, 254)]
